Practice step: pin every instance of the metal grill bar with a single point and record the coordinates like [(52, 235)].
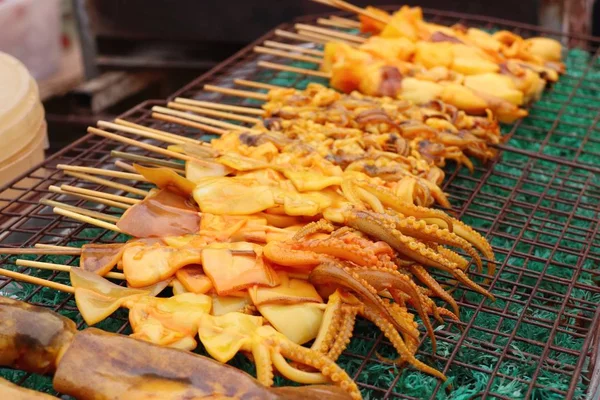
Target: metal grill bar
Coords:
[(540, 212)]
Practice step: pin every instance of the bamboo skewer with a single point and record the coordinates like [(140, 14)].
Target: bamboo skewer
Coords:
[(236, 92), (82, 211), (147, 160), (153, 130), (291, 47), (324, 39), (330, 32), (338, 23), (63, 268), (187, 122), (281, 53), (40, 251), (350, 22), (299, 37), (36, 281), (53, 246), (170, 138), (219, 106), (343, 5), (105, 172), (142, 145), (68, 189), (125, 166), (287, 68), (197, 118), (95, 199), (214, 113), (86, 219), (105, 182), (257, 85)]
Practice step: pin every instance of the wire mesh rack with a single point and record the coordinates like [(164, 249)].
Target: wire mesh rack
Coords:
[(538, 203)]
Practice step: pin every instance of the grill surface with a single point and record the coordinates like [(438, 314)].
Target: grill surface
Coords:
[(538, 204)]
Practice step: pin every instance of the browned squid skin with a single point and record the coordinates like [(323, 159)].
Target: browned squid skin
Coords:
[(31, 337), (102, 366)]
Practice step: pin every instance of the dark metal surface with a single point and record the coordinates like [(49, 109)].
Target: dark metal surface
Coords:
[(540, 213)]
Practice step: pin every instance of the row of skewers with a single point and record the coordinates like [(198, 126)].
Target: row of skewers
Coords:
[(282, 232)]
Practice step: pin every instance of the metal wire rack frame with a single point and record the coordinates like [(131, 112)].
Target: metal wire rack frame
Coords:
[(539, 210)]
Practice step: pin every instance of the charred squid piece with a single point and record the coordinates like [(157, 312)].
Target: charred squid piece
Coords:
[(31, 338), (97, 365)]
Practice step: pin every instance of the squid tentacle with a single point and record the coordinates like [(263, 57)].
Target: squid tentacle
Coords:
[(422, 275)]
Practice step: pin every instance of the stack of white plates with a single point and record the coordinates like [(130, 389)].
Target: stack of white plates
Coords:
[(23, 133)]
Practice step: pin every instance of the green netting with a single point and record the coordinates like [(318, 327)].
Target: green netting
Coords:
[(479, 353)]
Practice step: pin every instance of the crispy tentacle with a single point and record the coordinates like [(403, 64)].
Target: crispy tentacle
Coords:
[(455, 257), (345, 334), (331, 324), (264, 366), (295, 374), (320, 362), (394, 337), (314, 227), (422, 275), (466, 232)]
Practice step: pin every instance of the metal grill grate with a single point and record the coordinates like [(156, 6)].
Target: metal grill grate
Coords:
[(538, 204)]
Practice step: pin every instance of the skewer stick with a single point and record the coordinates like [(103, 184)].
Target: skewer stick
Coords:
[(142, 145), (214, 113), (299, 37), (111, 203), (147, 160), (236, 92), (53, 246), (82, 211), (170, 138), (41, 251), (350, 22), (330, 32), (197, 118), (281, 53), (191, 124), (125, 166), (219, 106), (86, 219), (63, 268), (257, 85), (333, 23), (281, 67), (104, 172), (105, 182), (36, 281), (68, 189), (322, 38), (291, 47), (343, 5), (153, 130)]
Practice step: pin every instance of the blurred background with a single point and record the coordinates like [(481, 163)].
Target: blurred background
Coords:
[(96, 58)]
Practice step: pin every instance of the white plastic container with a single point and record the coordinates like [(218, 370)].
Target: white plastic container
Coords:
[(30, 31)]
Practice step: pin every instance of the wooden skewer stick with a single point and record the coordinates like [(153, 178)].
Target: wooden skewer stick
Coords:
[(63, 268), (322, 38), (336, 23), (86, 219), (147, 160), (349, 22), (104, 172), (330, 32), (171, 138), (291, 47), (36, 281), (153, 130), (214, 113), (197, 118), (80, 210), (142, 145), (68, 189), (343, 5), (40, 251), (219, 106), (107, 183), (257, 85), (281, 53), (187, 122), (299, 37), (281, 67), (53, 246), (125, 166), (236, 92), (111, 203)]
